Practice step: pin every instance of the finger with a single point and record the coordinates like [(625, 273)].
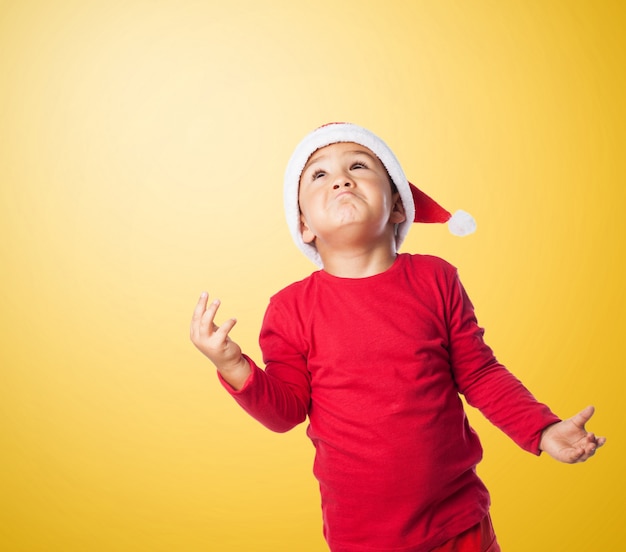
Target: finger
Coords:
[(587, 453), (574, 455), (591, 448), (596, 443), (207, 324), (198, 311), (226, 327), (583, 416)]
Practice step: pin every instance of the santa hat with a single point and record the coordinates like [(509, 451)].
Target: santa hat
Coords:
[(417, 205)]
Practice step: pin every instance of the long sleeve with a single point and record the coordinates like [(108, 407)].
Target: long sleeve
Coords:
[(278, 396), (487, 384)]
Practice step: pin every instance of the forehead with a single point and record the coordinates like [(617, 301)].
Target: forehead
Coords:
[(340, 149)]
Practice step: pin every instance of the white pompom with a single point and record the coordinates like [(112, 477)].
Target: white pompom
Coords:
[(462, 224)]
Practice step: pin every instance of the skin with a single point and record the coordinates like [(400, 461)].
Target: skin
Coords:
[(568, 441), (349, 212), (214, 342)]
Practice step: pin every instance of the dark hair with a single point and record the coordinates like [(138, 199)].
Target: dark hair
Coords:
[(394, 188)]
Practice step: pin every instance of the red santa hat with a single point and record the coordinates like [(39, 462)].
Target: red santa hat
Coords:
[(418, 206)]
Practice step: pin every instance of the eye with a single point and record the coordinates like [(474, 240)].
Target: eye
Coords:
[(317, 174), (358, 165)]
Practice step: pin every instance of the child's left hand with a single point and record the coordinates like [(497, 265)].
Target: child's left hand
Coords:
[(568, 441)]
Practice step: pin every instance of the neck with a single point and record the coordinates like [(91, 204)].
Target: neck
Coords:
[(353, 253), (358, 264)]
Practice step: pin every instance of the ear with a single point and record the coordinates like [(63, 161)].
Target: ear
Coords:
[(398, 213), (307, 234)]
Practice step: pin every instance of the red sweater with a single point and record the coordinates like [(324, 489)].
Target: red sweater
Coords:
[(377, 364)]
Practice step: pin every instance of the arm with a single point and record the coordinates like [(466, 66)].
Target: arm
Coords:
[(278, 402), (507, 403), (487, 384)]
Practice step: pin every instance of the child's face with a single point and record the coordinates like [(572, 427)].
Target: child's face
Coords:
[(345, 187)]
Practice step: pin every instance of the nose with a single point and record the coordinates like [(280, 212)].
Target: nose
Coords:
[(343, 181)]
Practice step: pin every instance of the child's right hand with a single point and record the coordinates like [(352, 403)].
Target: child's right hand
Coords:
[(214, 343)]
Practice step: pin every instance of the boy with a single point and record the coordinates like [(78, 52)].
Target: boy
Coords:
[(375, 349)]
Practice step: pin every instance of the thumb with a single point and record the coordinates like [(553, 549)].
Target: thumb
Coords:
[(583, 416)]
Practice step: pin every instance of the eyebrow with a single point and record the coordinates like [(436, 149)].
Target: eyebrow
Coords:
[(317, 158), (314, 159)]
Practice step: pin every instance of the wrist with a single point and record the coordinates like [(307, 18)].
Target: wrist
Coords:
[(236, 373), (544, 436)]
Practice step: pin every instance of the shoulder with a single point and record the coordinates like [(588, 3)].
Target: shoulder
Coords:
[(426, 265), (296, 290), (287, 314)]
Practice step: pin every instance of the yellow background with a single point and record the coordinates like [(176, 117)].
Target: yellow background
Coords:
[(142, 146)]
